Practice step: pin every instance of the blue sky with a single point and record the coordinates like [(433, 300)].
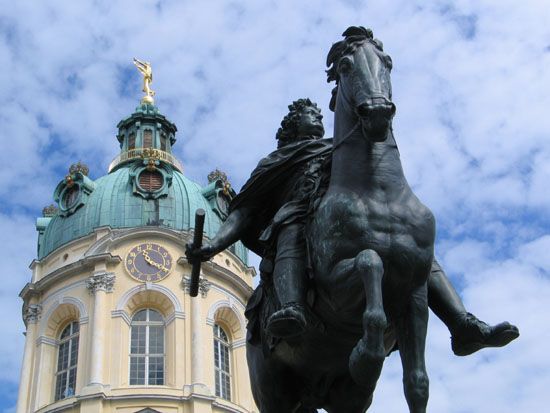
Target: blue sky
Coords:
[(471, 83)]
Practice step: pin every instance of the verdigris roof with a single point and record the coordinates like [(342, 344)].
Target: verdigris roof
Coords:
[(144, 187), (113, 203)]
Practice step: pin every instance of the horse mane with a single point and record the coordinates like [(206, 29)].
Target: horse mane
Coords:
[(353, 37)]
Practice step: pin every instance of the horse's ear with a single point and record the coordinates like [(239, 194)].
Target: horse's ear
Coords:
[(335, 52), (332, 104), (379, 44), (358, 31)]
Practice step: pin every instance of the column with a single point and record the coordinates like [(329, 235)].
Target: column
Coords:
[(99, 284), (197, 339), (31, 314)]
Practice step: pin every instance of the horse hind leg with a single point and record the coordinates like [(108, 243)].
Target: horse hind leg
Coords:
[(411, 331), (367, 358), (274, 387)]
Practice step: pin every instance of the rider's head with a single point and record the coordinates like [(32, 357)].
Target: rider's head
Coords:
[(304, 121)]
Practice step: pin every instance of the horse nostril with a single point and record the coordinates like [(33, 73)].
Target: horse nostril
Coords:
[(363, 110)]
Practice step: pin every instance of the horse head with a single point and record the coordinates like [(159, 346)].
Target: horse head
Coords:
[(361, 70)]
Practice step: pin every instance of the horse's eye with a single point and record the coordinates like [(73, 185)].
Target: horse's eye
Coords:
[(345, 64)]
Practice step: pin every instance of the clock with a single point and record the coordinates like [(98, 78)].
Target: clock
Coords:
[(148, 262)]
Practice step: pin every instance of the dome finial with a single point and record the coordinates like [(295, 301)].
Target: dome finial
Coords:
[(147, 72)]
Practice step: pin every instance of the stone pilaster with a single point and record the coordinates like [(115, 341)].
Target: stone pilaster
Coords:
[(197, 346), (204, 285), (31, 314), (99, 284), (101, 281)]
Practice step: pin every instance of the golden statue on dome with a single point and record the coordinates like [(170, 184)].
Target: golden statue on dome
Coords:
[(147, 72)]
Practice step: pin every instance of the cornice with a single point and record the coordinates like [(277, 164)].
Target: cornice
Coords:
[(37, 288), (211, 268)]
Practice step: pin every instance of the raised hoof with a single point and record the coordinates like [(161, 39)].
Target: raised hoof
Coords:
[(365, 365), (475, 335), (290, 321)]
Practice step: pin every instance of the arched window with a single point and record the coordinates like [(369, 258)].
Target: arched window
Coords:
[(147, 348), (66, 362), (221, 363)]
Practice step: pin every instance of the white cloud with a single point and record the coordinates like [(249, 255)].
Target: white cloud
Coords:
[(470, 83)]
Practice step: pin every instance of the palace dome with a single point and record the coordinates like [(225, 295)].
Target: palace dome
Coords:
[(144, 187)]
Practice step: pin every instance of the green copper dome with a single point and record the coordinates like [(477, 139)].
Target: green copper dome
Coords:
[(145, 187)]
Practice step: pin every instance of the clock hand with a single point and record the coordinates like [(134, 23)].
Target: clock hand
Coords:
[(150, 261)]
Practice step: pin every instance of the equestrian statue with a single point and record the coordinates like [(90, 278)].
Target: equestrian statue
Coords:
[(348, 269)]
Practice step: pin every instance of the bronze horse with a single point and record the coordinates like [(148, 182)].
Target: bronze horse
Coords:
[(371, 245)]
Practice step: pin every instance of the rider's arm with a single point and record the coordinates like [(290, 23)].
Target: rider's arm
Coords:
[(232, 229), (230, 232)]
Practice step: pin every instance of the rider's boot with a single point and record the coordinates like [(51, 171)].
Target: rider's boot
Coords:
[(290, 285), (468, 333)]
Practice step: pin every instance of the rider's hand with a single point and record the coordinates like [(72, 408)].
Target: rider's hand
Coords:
[(203, 253)]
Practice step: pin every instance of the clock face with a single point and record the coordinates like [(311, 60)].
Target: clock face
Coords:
[(148, 262)]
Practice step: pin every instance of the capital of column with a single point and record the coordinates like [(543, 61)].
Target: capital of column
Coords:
[(204, 285), (101, 281), (31, 313)]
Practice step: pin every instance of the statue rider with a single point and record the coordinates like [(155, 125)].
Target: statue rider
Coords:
[(269, 215)]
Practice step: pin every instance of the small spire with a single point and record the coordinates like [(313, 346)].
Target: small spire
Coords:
[(147, 72)]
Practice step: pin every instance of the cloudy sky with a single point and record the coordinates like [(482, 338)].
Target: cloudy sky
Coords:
[(471, 84)]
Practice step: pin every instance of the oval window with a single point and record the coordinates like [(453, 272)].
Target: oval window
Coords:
[(150, 181), (70, 196)]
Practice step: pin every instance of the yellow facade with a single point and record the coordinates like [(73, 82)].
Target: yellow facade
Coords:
[(86, 281)]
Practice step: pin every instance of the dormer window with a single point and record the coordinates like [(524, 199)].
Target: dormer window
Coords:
[(70, 197), (163, 142), (150, 181), (73, 191)]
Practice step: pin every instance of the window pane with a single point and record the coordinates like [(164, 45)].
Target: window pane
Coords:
[(140, 316), (67, 360), (132, 141), (66, 332), (222, 363), (226, 387), (156, 370), (218, 386), (60, 386), (154, 316), (62, 358), (137, 370), (156, 340), (147, 138), (71, 383), (74, 351), (147, 348), (138, 339)]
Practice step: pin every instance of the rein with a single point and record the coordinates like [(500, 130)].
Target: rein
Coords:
[(334, 147)]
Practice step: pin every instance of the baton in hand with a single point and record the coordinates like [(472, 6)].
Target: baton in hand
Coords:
[(197, 243)]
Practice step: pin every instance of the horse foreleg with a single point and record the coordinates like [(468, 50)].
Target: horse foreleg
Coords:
[(367, 358), (411, 336)]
